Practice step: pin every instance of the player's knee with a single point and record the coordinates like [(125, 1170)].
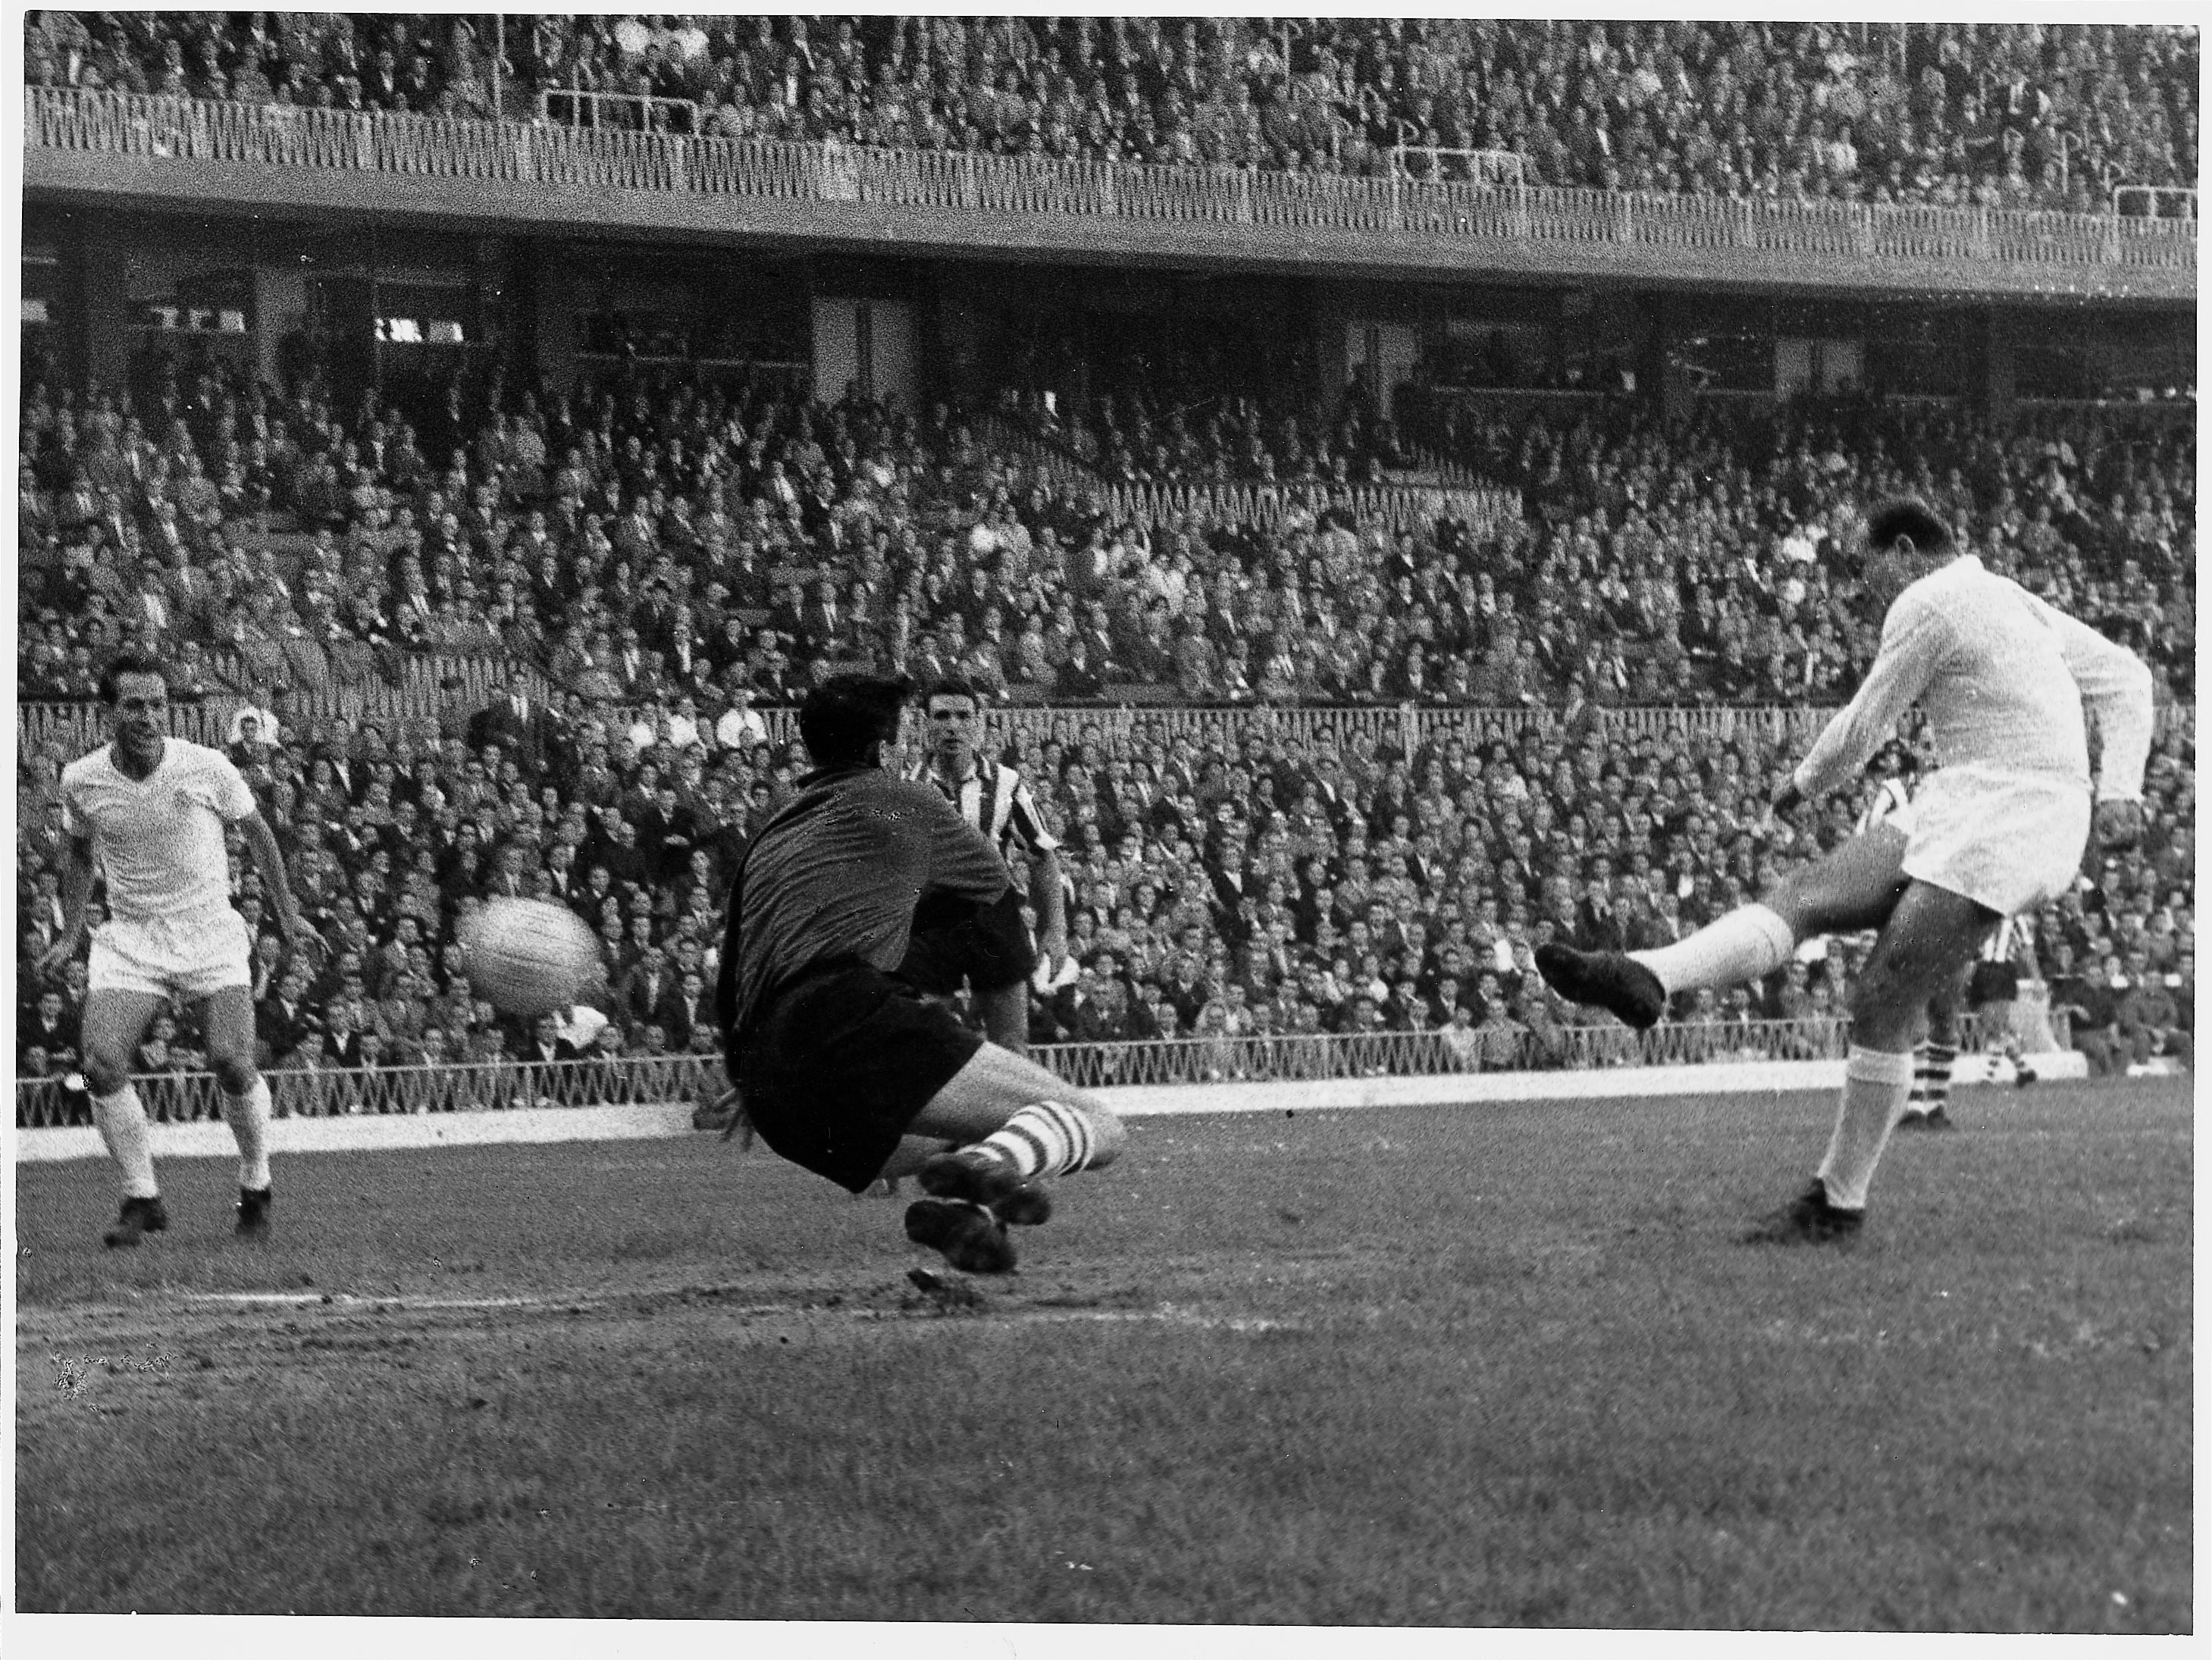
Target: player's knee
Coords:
[(105, 1072), (1796, 900), (236, 1070)]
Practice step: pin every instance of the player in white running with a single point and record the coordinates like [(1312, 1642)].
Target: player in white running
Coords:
[(2000, 825), (150, 809)]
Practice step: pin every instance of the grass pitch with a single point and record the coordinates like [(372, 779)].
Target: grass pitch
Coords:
[(1484, 1365)]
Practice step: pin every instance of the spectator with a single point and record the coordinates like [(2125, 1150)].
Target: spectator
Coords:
[(2146, 1017)]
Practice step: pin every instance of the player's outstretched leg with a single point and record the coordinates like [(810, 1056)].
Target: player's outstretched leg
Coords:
[(1930, 937), (1852, 887), (244, 1104), (985, 1146), (1622, 984)]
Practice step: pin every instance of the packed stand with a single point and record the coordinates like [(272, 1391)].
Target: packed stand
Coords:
[(654, 540), (1227, 884), (1201, 403), (672, 555), (1700, 557), (1376, 891), (1988, 114), (422, 63)]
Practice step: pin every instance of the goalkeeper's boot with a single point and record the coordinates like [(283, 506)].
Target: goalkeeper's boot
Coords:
[(1807, 1219), (1610, 980), (138, 1217), (253, 1204), (985, 1179), (1931, 1118), (970, 1237)]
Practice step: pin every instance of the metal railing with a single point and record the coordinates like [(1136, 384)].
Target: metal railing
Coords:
[(430, 685), (631, 111), (1398, 507), (689, 1080), (1384, 1054), (506, 151), (1409, 728), (183, 1098), (2185, 195), (77, 727), (1492, 166), (1455, 490)]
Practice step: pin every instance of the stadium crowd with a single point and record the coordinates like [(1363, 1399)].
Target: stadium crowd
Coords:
[(666, 543), (670, 557), (1229, 882), (1998, 114)]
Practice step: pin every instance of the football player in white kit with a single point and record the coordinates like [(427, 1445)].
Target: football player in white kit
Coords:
[(2000, 825), (1927, 1106), (150, 808)]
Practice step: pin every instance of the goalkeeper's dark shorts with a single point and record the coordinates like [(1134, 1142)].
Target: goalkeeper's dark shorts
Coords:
[(1992, 983), (959, 942), (841, 1062)]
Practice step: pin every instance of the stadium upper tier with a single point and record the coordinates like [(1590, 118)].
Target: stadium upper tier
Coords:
[(1948, 115), (1993, 158)]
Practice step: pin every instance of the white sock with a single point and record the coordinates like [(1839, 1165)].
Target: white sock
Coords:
[(1748, 943), (249, 1121), (122, 1121), (1047, 1138), (1876, 1084)]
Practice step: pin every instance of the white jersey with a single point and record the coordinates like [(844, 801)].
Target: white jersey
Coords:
[(2002, 679), (158, 839), (1892, 805)]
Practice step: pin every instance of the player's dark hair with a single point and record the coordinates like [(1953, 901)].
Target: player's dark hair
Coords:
[(952, 686), (846, 713), (129, 662), (1905, 519)]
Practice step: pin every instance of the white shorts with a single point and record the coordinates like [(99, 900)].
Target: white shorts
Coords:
[(2006, 840), (188, 956)]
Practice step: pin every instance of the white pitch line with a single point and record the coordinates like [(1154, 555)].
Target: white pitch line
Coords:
[(1167, 1314), (319, 1298), (1161, 1316)]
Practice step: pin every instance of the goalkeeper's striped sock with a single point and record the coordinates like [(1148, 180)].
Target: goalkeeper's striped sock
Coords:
[(1045, 1139), (1931, 1077)]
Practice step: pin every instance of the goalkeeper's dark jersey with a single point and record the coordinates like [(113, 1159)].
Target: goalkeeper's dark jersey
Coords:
[(836, 876)]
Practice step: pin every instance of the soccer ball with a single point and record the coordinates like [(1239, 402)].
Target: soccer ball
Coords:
[(526, 957)]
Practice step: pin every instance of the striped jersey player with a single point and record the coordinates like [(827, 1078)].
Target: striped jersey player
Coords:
[(990, 953)]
